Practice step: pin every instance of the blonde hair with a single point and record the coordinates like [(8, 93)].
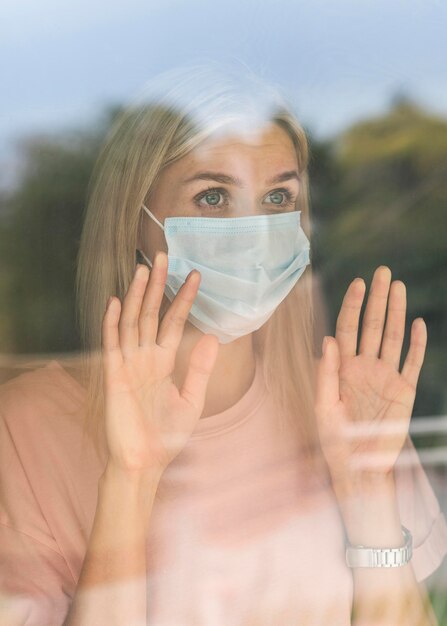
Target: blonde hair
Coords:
[(178, 110)]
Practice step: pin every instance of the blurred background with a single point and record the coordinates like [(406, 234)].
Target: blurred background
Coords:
[(369, 82)]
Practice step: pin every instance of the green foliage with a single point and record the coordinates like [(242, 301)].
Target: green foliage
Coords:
[(438, 599), (39, 237), (387, 206), (378, 196)]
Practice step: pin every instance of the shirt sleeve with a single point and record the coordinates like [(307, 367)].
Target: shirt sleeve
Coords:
[(32, 580), (36, 584), (420, 512)]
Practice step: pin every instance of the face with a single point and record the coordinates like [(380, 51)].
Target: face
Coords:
[(225, 177)]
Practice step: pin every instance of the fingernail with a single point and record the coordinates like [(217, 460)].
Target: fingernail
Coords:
[(324, 345), (109, 301), (160, 258), (190, 274)]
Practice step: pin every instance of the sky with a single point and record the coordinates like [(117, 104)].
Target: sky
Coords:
[(339, 60)]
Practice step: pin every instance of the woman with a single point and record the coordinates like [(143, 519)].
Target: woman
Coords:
[(221, 472)]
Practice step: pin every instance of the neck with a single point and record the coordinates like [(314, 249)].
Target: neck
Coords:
[(231, 376)]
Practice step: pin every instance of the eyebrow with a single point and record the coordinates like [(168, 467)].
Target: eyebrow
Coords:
[(231, 180)]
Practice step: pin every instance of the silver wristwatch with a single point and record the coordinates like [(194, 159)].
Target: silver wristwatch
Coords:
[(360, 556)]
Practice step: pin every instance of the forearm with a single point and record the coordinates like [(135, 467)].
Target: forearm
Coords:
[(383, 596), (112, 584)]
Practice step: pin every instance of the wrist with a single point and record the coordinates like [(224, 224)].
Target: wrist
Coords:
[(363, 484), (369, 509), (132, 479), (136, 488), (372, 557)]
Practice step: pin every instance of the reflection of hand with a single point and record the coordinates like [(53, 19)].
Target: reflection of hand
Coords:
[(363, 404), (147, 419)]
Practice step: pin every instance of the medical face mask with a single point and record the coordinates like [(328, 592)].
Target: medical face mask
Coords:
[(248, 265)]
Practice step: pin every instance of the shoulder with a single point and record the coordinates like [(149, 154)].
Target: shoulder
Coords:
[(420, 509), (44, 456), (42, 392), (41, 422)]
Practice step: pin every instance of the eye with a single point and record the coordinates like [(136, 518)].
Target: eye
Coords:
[(217, 197), (281, 197), (277, 197), (211, 197)]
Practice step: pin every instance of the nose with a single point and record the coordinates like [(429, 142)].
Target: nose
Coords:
[(251, 210), (248, 207)]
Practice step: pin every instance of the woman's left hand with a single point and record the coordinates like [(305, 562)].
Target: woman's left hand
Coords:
[(363, 403)]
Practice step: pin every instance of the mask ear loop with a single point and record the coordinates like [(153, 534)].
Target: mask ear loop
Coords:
[(145, 258), (152, 216)]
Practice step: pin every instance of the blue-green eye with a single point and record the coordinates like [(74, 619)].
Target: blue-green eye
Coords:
[(282, 197), (277, 197), (211, 198)]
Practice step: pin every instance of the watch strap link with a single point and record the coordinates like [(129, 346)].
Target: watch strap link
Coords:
[(361, 556)]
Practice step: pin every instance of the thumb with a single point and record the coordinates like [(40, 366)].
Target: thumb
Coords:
[(201, 363), (327, 384)]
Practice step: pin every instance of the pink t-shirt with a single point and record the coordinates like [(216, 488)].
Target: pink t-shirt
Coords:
[(241, 535)]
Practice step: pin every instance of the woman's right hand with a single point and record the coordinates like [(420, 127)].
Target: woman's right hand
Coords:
[(147, 419)]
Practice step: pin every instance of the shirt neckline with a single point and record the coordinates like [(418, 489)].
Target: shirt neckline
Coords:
[(236, 414), (211, 425)]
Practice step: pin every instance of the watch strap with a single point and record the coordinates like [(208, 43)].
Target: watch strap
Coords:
[(362, 556)]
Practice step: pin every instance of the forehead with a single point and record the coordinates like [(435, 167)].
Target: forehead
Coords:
[(267, 142)]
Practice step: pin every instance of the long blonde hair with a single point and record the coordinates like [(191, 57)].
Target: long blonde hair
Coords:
[(174, 114)]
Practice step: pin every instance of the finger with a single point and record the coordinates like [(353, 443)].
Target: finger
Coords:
[(173, 323), (150, 308), (327, 392), (347, 325), (395, 325), (372, 326), (201, 363), (111, 349), (128, 325), (416, 352)]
